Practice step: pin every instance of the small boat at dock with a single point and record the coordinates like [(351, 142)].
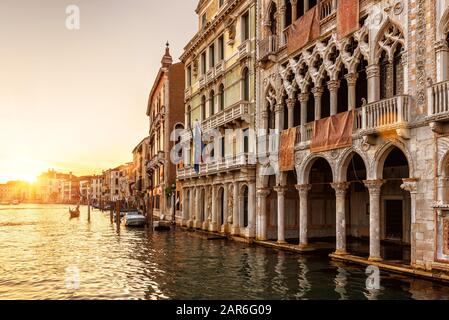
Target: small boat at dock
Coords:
[(134, 219), (161, 225)]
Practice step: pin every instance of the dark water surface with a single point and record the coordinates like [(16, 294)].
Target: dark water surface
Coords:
[(44, 255)]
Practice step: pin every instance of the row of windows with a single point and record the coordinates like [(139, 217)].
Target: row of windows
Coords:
[(216, 51), (245, 94)]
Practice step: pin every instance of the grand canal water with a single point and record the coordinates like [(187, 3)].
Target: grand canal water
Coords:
[(44, 255)]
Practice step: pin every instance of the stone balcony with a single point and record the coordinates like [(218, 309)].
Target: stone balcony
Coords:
[(387, 115), (268, 48), (202, 81), (220, 68), (238, 111), (244, 49), (188, 93), (218, 166), (159, 158), (210, 76), (438, 98)]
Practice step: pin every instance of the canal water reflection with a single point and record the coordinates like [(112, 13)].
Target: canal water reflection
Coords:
[(44, 255)]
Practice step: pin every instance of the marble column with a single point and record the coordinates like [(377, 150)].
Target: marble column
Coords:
[(333, 86), (411, 185), (291, 112), (281, 213), (303, 98), (224, 223), (374, 188), (340, 196), (318, 93), (235, 210), (306, 5), (442, 57), (303, 190), (373, 77), (214, 225), (252, 209), (351, 79), (262, 195), (279, 117), (294, 9)]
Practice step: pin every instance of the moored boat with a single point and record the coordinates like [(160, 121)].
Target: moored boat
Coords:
[(134, 219)]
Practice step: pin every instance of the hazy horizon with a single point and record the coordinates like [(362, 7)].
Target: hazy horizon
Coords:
[(75, 100)]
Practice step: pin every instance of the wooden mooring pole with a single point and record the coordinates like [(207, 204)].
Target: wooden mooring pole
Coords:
[(111, 214), (117, 213)]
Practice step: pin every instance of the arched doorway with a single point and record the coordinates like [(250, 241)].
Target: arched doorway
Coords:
[(395, 218), (321, 212), (291, 207), (357, 205)]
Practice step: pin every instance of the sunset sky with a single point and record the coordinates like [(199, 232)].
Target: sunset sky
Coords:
[(76, 100)]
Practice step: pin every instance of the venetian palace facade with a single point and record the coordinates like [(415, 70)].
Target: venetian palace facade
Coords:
[(350, 104)]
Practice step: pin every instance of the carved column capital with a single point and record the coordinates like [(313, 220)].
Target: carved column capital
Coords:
[(291, 103), (263, 193), (279, 108), (374, 186), (372, 71), (281, 190), (410, 185), (303, 189), (340, 188), (333, 85), (351, 79), (318, 91), (441, 45), (303, 97)]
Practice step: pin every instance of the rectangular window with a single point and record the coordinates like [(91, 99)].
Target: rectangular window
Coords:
[(203, 63), (221, 48), (223, 145), (212, 56), (203, 20), (189, 76), (245, 26)]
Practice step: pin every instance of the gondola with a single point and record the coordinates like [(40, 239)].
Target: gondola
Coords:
[(74, 213)]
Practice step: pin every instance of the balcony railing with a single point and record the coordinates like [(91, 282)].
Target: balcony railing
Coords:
[(244, 49), (230, 114), (268, 47), (327, 8), (210, 75), (387, 114), (438, 95), (213, 167), (202, 81), (188, 92), (220, 68)]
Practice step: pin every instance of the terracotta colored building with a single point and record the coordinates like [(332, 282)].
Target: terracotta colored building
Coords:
[(166, 113)]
